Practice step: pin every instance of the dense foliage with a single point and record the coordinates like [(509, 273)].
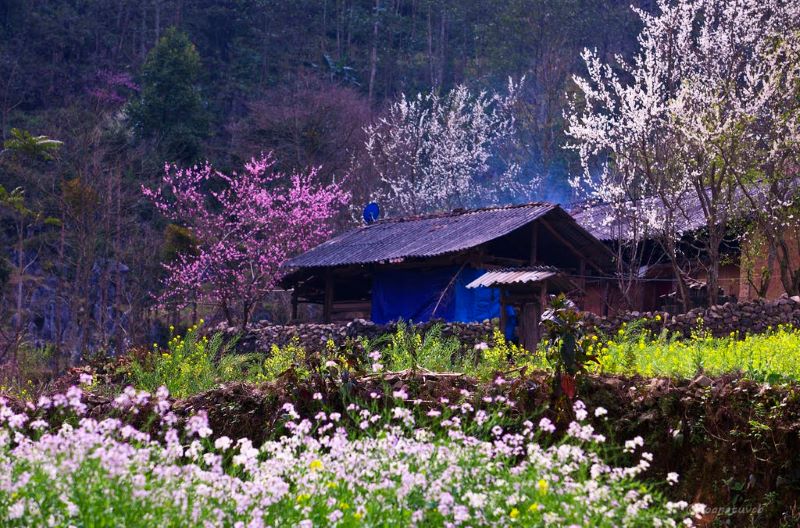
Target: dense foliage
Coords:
[(771, 357)]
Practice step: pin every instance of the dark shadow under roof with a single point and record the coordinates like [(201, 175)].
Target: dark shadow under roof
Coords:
[(432, 235)]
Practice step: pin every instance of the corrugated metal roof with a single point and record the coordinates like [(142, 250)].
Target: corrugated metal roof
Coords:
[(605, 224), (513, 276), (602, 221), (426, 236)]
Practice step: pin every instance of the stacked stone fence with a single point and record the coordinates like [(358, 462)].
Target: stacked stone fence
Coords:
[(738, 318), (752, 317)]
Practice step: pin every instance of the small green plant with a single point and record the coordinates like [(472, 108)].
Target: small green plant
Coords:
[(281, 359), (500, 355), (566, 344), (190, 364), (408, 348)]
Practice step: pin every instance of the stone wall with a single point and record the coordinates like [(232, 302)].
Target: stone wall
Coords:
[(262, 335), (740, 318)]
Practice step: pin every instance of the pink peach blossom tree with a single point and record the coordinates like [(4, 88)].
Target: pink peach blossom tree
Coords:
[(244, 226)]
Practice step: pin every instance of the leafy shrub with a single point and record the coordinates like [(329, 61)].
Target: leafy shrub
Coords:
[(408, 348), (281, 359)]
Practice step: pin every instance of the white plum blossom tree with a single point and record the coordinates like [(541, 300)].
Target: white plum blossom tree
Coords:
[(668, 137), (435, 152), (774, 199)]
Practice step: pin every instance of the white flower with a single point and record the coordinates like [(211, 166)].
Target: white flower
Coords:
[(16, 510), (698, 509), (546, 425), (223, 443)]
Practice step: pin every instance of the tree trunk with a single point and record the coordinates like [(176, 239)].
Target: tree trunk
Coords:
[(20, 274), (431, 66), (713, 271), (683, 291), (143, 36), (373, 59), (790, 278), (157, 20)]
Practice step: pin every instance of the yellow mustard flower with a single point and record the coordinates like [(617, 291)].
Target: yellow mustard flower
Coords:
[(542, 486)]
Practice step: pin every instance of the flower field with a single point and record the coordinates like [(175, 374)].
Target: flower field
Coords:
[(411, 429), (771, 357), (410, 464)]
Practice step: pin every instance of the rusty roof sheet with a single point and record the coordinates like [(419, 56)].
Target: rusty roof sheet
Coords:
[(605, 224), (513, 276), (392, 240)]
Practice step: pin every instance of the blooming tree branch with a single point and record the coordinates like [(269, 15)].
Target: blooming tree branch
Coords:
[(440, 152), (245, 226)]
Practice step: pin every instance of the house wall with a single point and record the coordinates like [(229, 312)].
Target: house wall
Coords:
[(729, 279), (761, 262)]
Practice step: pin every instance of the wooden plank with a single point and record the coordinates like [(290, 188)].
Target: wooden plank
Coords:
[(503, 315)]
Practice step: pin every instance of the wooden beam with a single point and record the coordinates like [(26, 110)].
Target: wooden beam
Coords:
[(572, 248)]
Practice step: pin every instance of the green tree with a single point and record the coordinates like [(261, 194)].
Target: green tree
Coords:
[(171, 108), (25, 221)]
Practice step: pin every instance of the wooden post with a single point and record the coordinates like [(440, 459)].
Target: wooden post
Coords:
[(327, 307), (534, 243), (606, 300), (529, 336), (294, 305), (543, 296)]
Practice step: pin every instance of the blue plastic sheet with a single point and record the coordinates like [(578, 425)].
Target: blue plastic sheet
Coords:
[(440, 293)]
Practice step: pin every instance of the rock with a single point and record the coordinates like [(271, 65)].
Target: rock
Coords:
[(702, 381)]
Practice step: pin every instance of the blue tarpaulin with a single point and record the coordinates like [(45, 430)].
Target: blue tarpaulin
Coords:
[(412, 295)]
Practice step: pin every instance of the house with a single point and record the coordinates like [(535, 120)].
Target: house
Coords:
[(465, 265), (746, 271)]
